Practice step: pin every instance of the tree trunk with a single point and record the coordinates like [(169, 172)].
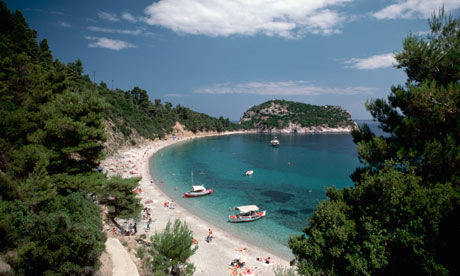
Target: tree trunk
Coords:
[(116, 224)]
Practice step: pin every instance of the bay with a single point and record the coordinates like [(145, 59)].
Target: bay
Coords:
[(288, 181)]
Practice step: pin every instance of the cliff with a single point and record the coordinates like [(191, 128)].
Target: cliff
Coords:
[(280, 116)]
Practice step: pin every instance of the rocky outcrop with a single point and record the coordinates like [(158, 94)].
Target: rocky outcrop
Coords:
[(297, 128), (117, 141)]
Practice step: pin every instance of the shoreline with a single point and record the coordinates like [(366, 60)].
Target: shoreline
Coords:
[(210, 258)]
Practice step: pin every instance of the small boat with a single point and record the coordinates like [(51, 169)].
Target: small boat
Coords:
[(275, 142), (247, 213), (198, 191), (249, 172)]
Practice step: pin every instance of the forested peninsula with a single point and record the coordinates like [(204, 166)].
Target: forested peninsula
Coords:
[(280, 116)]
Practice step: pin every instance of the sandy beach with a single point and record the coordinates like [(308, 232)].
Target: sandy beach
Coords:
[(211, 258)]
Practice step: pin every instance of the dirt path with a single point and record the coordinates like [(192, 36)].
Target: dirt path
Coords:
[(122, 263)]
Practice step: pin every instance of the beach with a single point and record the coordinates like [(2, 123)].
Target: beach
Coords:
[(211, 258)]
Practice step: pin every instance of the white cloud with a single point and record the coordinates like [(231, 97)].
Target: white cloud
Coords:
[(286, 88), (64, 24), (108, 16), (415, 9), (57, 12), (286, 18), (175, 95), (373, 62), (108, 43), (115, 31), (128, 17)]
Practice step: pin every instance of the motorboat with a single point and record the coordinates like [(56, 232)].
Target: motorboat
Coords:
[(247, 213), (249, 172), (198, 191), (275, 142)]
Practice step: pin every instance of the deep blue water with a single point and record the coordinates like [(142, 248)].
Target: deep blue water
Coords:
[(288, 181)]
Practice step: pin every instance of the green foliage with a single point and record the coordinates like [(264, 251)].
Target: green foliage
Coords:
[(281, 271), (133, 109), (171, 250), (401, 218), (434, 58), (278, 114), (422, 116), (63, 237), (52, 121), (120, 198), (389, 224), (51, 141), (140, 253)]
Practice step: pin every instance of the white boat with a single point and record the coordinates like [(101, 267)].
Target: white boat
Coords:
[(198, 191), (275, 142), (249, 172), (247, 213)]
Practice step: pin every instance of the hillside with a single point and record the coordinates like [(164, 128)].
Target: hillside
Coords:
[(57, 125), (287, 117), (131, 118)]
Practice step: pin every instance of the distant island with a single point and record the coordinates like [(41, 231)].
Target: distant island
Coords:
[(281, 116)]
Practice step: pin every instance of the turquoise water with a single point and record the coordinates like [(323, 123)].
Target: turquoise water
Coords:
[(288, 181)]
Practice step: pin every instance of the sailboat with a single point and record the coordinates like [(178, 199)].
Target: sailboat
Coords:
[(198, 191)]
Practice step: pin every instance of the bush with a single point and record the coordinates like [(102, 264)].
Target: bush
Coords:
[(171, 249)]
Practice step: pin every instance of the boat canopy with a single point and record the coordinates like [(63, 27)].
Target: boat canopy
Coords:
[(198, 188), (247, 208)]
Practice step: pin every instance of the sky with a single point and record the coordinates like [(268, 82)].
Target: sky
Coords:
[(221, 57)]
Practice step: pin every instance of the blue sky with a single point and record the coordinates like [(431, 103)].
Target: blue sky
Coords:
[(220, 57)]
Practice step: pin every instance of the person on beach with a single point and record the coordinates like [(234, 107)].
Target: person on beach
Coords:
[(268, 260), (135, 228), (210, 236)]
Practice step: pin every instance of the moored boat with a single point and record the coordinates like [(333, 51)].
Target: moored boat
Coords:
[(275, 142), (198, 191), (249, 172), (247, 213)]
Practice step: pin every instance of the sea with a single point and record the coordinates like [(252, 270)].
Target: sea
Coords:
[(288, 181)]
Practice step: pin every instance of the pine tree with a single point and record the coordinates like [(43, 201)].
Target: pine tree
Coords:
[(401, 218), (118, 194), (171, 250)]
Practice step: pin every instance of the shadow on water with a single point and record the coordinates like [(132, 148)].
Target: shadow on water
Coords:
[(307, 211), (286, 212), (277, 196)]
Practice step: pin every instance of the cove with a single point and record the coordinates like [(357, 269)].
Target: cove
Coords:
[(288, 181)]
